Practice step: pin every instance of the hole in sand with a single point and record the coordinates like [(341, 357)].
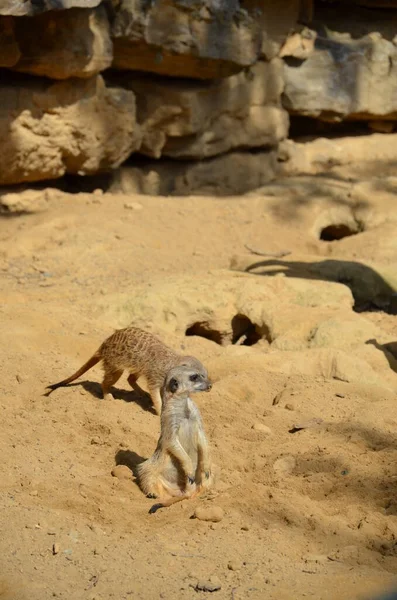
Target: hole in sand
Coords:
[(202, 329), (337, 231), (243, 332)]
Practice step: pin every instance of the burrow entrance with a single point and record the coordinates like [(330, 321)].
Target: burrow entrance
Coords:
[(337, 231), (243, 332)]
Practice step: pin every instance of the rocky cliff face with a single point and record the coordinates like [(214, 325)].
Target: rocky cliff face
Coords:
[(87, 85)]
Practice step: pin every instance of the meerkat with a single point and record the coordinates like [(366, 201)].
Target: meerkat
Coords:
[(180, 467), (141, 354)]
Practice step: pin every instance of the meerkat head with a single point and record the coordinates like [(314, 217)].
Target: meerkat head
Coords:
[(182, 380), (194, 363)]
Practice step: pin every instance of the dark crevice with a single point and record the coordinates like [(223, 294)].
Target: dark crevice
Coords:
[(243, 332), (202, 329), (337, 231), (246, 333)]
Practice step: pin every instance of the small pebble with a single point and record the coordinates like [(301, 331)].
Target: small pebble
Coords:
[(262, 428), (34, 493), (245, 528), (209, 513), (290, 407), (133, 206), (284, 465), (212, 585), (55, 548), (340, 395), (121, 472), (234, 565), (96, 440)]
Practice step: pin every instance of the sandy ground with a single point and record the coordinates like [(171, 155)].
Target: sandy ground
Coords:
[(306, 514)]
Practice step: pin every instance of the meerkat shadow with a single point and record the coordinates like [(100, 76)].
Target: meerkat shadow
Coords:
[(139, 397), (129, 459)]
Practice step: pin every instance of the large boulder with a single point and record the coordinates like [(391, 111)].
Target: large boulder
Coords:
[(350, 156), (72, 43), (226, 175), (78, 126), (205, 39), (189, 119), (20, 8), (351, 72)]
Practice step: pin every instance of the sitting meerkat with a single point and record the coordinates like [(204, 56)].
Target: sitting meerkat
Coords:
[(181, 465), (141, 354)]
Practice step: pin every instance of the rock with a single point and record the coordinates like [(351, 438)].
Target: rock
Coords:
[(20, 8), (330, 155), (234, 565), (44, 133), (133, 206), (73, 43), (204, 40), (284, 465), (121, 472), (209, 513), (345, 77), (27, 201), (227, 175), (212, 585), (262, 428), (185, 119), (299, 45), (314, 422), (55, 548)]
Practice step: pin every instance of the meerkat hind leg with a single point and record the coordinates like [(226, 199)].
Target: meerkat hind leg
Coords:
[(110, 378), (132, 380)]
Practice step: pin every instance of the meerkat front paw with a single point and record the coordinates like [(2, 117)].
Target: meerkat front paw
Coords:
[(151, 495), (191, 479)]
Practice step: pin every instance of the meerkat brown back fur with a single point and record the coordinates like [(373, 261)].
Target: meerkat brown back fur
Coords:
[(181, 464), (140, 353)]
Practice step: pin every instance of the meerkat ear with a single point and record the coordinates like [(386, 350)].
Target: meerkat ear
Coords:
[(173, 385)]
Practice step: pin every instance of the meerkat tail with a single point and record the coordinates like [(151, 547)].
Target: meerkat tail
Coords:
[(88, 365)]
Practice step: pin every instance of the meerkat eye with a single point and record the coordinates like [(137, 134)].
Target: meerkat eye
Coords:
[(173, 385), (194, 377)]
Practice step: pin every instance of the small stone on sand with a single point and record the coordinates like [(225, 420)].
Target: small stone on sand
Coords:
[(262, 428), (209, 513), (121, 472)]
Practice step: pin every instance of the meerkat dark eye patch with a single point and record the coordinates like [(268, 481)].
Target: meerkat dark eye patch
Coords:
[(173, 385), (194, 377)]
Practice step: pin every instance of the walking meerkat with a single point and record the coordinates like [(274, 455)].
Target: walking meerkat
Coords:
[(140, 353), (180, 467)]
